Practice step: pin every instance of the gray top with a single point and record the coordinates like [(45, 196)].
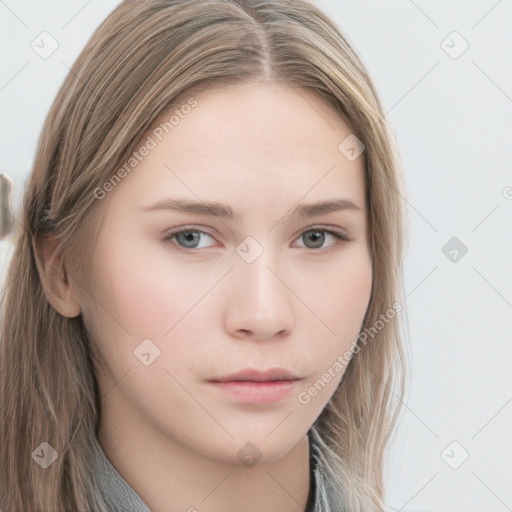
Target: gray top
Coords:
[(115, 491), (120, 497)]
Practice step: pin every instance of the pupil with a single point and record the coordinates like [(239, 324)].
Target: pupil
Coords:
[(189, 236), (315, 236)]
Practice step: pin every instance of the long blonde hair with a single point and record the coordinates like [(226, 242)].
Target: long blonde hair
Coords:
[(144, 59)]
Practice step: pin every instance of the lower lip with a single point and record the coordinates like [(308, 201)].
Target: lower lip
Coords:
[(257, 392)]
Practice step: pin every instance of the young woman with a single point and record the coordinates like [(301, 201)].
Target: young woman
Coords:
[(203, 308)]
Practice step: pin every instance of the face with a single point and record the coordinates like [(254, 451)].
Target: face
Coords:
[(183, 299)]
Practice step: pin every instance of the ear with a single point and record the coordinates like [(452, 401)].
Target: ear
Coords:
[(54, 277)]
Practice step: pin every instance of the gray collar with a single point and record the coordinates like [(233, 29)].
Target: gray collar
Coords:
[(115, 491)]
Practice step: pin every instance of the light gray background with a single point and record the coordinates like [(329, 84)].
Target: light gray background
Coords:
[(452, 118)]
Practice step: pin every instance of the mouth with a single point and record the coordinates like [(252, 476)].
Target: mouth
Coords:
[(254, 375), (252, 386)]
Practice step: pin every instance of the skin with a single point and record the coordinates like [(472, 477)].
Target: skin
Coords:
[(262, 149)]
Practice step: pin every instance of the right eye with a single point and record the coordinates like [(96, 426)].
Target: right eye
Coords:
[(186, 238)]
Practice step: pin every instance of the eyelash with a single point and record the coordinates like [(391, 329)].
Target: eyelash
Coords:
[(338, 235)]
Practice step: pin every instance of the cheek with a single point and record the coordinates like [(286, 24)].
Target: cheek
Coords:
[(339, 292), (143, 294), (340, 298), (140, 291)]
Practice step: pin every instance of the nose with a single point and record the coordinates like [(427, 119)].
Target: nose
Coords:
[(259, 304)]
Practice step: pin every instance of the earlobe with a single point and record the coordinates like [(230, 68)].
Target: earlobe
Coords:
[(54, 276)]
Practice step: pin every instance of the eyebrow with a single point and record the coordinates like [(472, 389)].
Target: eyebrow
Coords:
[(217, 209)]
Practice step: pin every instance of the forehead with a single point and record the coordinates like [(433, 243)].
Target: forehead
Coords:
[(251, 140), (270, 112)]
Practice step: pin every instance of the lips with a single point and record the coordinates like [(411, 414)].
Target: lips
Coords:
[(254, 375), (257, 387)]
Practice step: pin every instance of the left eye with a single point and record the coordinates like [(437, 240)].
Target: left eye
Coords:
[(318, 236), (190, 237)]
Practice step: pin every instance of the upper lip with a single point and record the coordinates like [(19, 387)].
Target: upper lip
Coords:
[(251, 374)]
